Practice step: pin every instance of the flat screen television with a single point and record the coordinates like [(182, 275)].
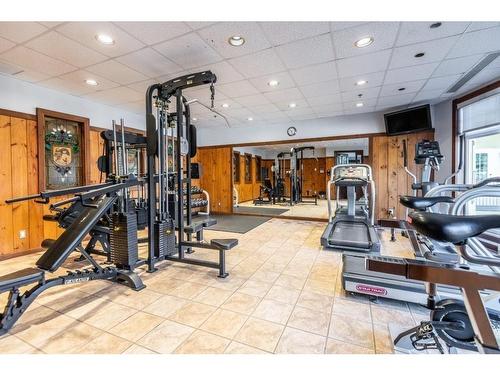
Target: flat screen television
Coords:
[(408, 120)]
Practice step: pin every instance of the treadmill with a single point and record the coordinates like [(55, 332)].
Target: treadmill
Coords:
[(351, 229)]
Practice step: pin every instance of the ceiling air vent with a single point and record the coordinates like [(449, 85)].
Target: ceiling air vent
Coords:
[(471, 73)]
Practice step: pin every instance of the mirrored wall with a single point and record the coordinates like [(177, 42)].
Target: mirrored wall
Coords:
[(290, 179)]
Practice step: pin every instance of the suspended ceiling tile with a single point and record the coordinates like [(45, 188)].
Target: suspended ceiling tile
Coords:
[(383, 34), (435, 50), (315, 73), (117, 72), (371, 79), (79, 77), (284, 79), (20, 32), (416, 72), (358, 65), (457, 65), (285, 32), (32, 60), (305, 52), (58, 46), (409, 87), (258, 64), (217, 37), (149, 62), (188, 51), (416, 32), (321, 89), (154, 32), (86, 33), (482, 41)]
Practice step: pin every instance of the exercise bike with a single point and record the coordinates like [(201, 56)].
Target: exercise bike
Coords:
[(452, 321)]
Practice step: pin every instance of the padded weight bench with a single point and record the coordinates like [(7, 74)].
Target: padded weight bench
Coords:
[(224, 244), (21, 278)]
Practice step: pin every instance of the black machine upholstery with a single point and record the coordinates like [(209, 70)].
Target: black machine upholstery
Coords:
[(67, 242), (224, 244), (20, 278), (422, 203), (451, 228)]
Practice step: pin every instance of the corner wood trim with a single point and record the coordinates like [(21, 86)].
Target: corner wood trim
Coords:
[(41, 113), (454, 117), (27, 116)]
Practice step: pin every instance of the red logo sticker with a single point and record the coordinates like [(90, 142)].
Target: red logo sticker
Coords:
[(371, 289)]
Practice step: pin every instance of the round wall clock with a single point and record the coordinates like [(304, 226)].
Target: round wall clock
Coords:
[(291, 131)]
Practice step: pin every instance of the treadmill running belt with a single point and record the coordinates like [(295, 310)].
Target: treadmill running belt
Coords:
[(350, 234)]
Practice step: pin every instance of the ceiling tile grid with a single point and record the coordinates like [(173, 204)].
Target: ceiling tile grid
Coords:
[(315, 63)]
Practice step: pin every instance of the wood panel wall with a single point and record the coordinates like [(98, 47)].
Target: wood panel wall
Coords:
[(216, 178), (391, 180), (19, 172), (248, 190)]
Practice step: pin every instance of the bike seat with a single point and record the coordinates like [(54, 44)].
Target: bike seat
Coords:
[(451, 228), (421, 203)]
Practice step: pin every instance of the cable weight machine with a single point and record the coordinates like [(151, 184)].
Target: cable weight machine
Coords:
[(169, 187)]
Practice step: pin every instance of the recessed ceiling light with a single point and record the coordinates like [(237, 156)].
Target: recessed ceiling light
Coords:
[(225, 105), (420, 54), (292, 105), (236, 40), (91, 82), (273, 83), (364, 42), (361, 82), (359, 104), (435, 25), (250, 119), (402, 89), (194, 119), (105, 39)]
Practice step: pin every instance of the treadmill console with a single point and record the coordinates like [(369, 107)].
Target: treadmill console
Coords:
[(425, 150), (351, 172)]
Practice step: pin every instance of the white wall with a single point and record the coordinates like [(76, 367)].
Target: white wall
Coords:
[(442, 117), (323, 127), (21, 96)]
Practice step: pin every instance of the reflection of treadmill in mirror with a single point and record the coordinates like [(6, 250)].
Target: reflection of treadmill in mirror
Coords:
[(351, 229)]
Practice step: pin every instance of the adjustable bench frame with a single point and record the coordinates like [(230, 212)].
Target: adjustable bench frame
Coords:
[(18, 303)]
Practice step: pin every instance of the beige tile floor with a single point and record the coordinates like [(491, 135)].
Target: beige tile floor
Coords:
[(283, 295)]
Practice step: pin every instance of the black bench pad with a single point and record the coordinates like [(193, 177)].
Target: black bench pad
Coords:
[(225, 243), (194, 227), (20, 278), (208, 222), (50, 217)]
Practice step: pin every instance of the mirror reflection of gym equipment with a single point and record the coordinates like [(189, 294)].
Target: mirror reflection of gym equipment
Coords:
[(292, 179)]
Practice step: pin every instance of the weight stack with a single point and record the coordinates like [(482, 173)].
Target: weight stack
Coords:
[(123, 240), (165, 238)]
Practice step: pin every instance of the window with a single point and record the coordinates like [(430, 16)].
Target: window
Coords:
[(479, 121)]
